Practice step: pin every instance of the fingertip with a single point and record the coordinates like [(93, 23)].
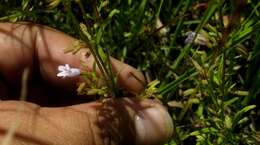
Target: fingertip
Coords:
[(134, 80), (128, 77), (153, 126), (140, 122), (152, 122)]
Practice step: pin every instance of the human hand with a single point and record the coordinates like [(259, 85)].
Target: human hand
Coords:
[(114, 121)]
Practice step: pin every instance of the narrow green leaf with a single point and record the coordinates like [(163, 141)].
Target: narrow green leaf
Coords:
[(240, 114), (112, 13), (173, 85)]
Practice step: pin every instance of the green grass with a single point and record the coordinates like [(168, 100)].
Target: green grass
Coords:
[(212, 91)]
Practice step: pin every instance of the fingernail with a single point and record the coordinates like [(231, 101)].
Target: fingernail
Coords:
[(153, 126)]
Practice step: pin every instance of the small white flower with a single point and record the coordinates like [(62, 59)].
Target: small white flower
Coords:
[(190, 37), (67, 71)]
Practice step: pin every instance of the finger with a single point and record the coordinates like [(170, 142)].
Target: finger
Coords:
[(31, 45), (127, 76), (113, 122)]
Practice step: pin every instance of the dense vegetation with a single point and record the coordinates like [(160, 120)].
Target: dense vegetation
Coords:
[(205, 56)]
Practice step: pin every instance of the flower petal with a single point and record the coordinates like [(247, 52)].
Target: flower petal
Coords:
[(67, 67), (61, 68), (74, 72), (62, 74)]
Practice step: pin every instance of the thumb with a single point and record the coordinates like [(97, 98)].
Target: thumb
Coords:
[(129, 121), (114, 121)]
